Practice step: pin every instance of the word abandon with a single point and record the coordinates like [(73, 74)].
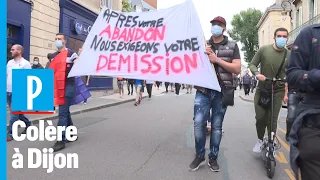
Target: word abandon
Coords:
[(147, 63), (130, 21), (134, 34), (49, 133), (46, 158), (145, 47)]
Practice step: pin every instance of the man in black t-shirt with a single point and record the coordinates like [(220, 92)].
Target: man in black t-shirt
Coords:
[(225, 56)]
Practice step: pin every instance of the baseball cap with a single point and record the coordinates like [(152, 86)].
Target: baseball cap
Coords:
[(219, 19)]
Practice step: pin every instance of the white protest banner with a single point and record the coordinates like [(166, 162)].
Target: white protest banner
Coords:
[(164, 45)]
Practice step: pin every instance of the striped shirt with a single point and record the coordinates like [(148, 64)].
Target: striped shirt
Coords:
[(70, 61)]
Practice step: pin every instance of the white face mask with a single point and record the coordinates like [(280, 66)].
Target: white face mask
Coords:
[(216, 30), (35, 62)]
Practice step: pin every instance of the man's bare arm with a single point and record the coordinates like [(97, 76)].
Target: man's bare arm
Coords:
[(234, 67)]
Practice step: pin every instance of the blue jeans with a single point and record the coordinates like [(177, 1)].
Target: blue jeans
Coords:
[(64, 110), (202, 105), (15, 117), (293, 100)]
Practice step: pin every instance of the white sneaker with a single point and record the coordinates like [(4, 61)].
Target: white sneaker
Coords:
[(257, 147)]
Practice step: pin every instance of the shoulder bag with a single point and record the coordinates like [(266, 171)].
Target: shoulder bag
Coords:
[(226, 91)]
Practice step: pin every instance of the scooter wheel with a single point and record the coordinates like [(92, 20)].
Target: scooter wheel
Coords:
[(271, 168)]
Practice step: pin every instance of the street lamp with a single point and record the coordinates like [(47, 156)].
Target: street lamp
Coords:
[(286, 4)]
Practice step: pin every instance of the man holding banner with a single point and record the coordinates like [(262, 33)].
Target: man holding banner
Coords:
[(225, 57), (151, 46)]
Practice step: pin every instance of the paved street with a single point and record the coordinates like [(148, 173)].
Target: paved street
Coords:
[(155, 141)]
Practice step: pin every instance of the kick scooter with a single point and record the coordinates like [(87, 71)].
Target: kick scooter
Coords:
[(269, 144)]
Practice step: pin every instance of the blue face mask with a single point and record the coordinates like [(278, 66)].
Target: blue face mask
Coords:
[(59, 44), (281, 42), (216, 30)]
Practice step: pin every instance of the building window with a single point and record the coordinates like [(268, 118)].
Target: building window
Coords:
[(315, 8), (262, 38), (9, 45), (299, 17), (11, 31), (107, 3), (13, 34), (75, 44), (311, 9)]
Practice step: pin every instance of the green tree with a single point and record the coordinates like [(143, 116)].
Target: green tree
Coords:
[(244, 29), (126, 6)]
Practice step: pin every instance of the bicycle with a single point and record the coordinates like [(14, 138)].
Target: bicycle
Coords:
[(270, 144)]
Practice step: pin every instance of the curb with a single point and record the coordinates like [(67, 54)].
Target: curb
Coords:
[(56, 115), (246, 99)]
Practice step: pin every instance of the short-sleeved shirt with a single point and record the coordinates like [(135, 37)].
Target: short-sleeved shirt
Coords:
[(12, 64), (71, 57)]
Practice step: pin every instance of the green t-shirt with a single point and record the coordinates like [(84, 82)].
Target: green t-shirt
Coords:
[(270, 61)]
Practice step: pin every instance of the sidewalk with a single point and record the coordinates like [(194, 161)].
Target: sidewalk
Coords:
[(95, 102)]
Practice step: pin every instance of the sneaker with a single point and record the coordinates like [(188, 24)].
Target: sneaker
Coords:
[(196, 163), (257, 147), (58, 146), (213, 165)]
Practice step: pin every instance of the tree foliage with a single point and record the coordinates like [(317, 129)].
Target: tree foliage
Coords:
[(126, 6), (244, 29)]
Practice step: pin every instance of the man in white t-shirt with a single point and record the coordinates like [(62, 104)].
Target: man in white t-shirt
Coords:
[(149, 85), (18, 62)]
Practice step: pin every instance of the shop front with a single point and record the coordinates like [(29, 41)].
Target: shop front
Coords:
[(76, 22), (18, 25)]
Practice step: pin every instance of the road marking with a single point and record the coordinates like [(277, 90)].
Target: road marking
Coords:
[(284, 144), (290, 174), (282, 130), (281, 158)]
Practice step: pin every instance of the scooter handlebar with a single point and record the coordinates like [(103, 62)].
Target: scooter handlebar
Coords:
[(276, 79)]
